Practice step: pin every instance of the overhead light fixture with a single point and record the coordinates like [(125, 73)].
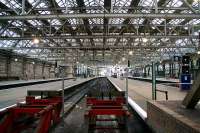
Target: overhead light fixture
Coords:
[(123, 58), (198, 52), (16, 59), (144, 40), (36, 40), (130, 52)]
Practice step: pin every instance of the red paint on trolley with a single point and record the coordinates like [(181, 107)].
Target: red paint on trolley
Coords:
[(46, 111), (104, 107)]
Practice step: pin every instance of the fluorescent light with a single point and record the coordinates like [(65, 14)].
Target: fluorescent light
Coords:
[(145, 40), (36, 40), (130, 52)]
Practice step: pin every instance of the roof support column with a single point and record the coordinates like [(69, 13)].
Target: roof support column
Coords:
[(23, 7), (156, 6)]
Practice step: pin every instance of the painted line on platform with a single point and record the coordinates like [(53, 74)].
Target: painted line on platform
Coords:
[(23, 102), (142, 113)]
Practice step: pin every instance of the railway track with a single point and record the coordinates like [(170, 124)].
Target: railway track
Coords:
[(74, 120)]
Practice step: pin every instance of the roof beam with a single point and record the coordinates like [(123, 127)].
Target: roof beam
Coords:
[(101, 15), (100, 48), (100, 36), (85, 20), (99, 8)]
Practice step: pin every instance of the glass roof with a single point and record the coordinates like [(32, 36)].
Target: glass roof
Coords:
[(95, 25)]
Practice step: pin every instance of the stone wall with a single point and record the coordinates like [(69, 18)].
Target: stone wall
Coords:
[(13, 67)]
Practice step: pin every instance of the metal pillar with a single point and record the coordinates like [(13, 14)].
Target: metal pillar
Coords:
[(23, 7), (63, 91), (153, 81), (127, 89)]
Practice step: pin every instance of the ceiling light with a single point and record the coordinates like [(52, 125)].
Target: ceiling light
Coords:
[(130, 52), (16, 59), (36, 40), (198, 52), (145, 40), (123, 58)]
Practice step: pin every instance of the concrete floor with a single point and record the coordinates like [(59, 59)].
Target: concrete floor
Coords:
[(11, 96), (161, 79), (141, 91), (22, 81)]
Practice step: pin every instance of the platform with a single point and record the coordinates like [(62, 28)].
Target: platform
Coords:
[(171, 116), (10, 96), (19, 83), (166, 81), (141, 91)]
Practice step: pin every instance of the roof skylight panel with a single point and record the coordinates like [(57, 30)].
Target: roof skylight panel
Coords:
[(1, 43), (174, 3), (93, 3), (55, 22), (13, 4), (3, 13), (41, 4), (194, 21), (24, 51), (35, 22), (148, 3), (176, 21), (186, 11), (120, 11), (61, 3), (137, 21), (21, 44), (195, 3), (69, 3), (117, 20), (96, 21), (7, 43), (95, 11), (33, 2), (1, 29), (167, 11), (158, 21), (17, 23), (44, 12), (72, 3), (74, 21), (9, 33), (121, 3)]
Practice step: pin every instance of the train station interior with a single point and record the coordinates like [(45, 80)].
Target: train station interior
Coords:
[(99, 66)]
